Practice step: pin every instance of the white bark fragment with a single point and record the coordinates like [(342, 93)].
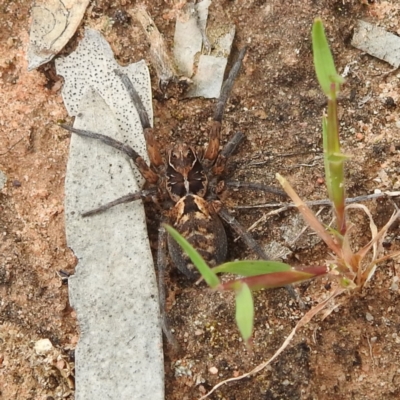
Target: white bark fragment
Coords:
[(192, 46), (377, 42), (209, 77), (187, 40), (114, 291), (53, 23)]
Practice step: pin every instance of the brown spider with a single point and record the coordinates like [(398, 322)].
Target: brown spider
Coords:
[(192, 180)]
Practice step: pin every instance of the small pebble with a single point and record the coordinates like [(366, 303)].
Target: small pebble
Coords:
[(3, 179), (369, 317), (213, 370), (43, 346), (260, 114)]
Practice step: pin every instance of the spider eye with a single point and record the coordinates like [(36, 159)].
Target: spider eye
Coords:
[(190, 155)]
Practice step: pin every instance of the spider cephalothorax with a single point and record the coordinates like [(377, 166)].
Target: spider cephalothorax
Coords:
[(185, 173)]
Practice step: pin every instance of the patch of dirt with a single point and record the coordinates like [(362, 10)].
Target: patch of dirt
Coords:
[(277, 103)]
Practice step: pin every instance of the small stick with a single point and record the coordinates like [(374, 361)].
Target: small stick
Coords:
[(324, 202), (12, 146), (256, 186)]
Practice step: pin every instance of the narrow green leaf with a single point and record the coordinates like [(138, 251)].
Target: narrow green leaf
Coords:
[(206, 272), (276, 279), (244, 311), (323, 60), (251, 268)]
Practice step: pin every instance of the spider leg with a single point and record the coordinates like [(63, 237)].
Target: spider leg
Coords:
[(227, 86), (136, 100), (238, 228), (232, 144), (229, 148), (151, 144), (121, 200), (213, 145), (219, 168), (161, 263), (142, 166), (253, 245), (152, 147)]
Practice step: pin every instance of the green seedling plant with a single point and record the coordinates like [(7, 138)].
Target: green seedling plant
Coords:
[(253, 275), (354, 268)]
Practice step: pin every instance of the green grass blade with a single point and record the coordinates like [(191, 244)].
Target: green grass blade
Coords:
[(206, 272), (244, 311), (330, 83), (252, 268), (323, 60)]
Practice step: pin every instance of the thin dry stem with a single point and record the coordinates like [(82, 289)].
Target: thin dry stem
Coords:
[(379, 236), (324, 202), (309, 216), (372, 227)]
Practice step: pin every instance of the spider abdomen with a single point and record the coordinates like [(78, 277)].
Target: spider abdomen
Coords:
[(196, 220)]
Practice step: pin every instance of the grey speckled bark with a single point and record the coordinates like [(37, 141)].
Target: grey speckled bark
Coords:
[(377, 42), (114, 291)]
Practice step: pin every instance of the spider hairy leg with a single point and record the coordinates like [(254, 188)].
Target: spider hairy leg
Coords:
[(152, 147), (143, 168), (228, 85), (219, 167), (121, 200), (135, 98), (232, 144), (229, 148), (253, 245), (214, 141)]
